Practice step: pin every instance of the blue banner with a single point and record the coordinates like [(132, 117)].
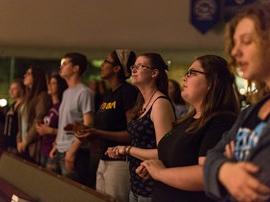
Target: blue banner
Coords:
[(232, 7), (204, 14)]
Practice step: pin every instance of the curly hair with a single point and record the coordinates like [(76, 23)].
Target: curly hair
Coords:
[(260, 15)]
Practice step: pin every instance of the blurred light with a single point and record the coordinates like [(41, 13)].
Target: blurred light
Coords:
[(242, 91), (169, 62), (3, 102), (97, 63)]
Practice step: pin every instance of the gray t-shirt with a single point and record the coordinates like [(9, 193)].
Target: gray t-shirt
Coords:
[(76, 102)]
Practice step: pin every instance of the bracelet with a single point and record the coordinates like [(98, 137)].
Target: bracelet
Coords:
[(128, 150)]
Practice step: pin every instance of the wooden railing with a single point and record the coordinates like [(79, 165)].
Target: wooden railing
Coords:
[(42, 185)]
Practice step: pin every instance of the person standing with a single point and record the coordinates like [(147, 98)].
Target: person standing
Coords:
[(154, 118), (237, 169), (16, 92), (69, 154), (112, 176)]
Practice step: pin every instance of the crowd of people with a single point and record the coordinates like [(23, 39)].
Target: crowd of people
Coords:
[(152, 140)]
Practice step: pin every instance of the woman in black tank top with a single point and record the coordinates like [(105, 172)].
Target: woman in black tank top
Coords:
[(153, 117)]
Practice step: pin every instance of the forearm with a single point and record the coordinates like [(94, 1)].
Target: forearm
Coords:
[(52, 131), (189, 178), (117, 136), (74, 146), (143, 154), (214, 160)]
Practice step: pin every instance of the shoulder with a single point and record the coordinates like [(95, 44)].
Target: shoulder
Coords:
[(161, 100), (162, 105), (82, 89)]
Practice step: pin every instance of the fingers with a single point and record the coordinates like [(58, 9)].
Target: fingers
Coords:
[(249, 167), (245, 187), (258, 187), (142, 172), (229, 150), (112, 152)]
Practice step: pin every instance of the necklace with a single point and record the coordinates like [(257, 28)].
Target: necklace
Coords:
[(144, 108)]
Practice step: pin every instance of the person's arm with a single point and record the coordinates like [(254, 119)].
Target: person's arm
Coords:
[(215, 159), (253, 179), (117, 136), (190, 178), (162, 116), (87, 107), (87, 121), (71, 153), (43, 129), (187, 178), (41, 108), (142, 154)]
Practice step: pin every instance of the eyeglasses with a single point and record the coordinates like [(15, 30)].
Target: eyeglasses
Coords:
[(139, 66), (193, 72), (109, 62)]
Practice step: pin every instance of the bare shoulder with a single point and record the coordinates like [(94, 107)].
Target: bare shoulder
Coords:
[(160, 102)]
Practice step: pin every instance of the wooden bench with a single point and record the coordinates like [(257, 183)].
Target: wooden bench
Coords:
[(43, 185)]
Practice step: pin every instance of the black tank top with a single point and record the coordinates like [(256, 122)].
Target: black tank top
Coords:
[(142, 133)]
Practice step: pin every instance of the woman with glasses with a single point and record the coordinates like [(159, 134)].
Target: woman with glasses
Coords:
[(154, 117), (110, 125), (238, 167), (208, 88)]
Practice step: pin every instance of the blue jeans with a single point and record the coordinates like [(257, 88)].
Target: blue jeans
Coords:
[(137, 198), (58, 163), (81, 166)]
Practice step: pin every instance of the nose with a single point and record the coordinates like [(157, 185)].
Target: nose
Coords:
[(185, 78), (236, 51), (133, 70)]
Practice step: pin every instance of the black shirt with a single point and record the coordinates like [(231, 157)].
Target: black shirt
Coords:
[(111, 115), (142, 132), (11, 127), (179, 148)]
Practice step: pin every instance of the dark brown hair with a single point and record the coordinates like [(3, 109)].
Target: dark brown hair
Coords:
[(39, 85), (221, 95), (155, 62), (61, 85), (78, 59), (176, 96)]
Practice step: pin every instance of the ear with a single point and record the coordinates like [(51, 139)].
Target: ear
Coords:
[(155, 73), (116, 69), (76, 68)]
